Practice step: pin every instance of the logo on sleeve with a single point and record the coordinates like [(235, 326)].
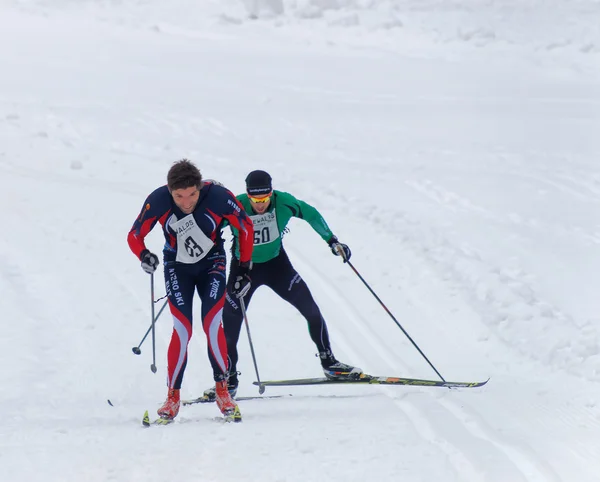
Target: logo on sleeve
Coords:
[(146, 209), (235, 207)]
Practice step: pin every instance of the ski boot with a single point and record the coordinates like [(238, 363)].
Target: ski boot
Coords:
[(228, 407), (170, 408), (210, 394), (336, 370)]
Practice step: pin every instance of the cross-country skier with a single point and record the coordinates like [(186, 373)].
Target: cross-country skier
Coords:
[(270, 212), (192, 213)]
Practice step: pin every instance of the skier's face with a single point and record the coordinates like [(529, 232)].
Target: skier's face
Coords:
[(260, 204), (186, 199)]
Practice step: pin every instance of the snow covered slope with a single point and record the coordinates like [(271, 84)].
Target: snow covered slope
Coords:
[(453, 145)]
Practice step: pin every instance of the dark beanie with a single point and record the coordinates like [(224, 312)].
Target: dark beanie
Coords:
[(258, 183)]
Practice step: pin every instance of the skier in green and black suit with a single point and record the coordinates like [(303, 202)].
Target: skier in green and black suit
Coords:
[(270, 212)]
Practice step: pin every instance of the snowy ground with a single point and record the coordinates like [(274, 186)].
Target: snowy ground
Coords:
[(454, 146)]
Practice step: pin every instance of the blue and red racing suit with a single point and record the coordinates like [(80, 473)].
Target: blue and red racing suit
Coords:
[(194, 259)]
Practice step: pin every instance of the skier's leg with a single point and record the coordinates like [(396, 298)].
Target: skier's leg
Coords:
[(289, 285), (211, 289), (232, 324), (233, 317), (180, 293), (179, 285)]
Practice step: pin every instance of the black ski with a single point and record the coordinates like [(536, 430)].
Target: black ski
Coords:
[(371, 380), (204, 399)]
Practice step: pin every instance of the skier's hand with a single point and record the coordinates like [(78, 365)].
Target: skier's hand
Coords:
[(339, 249), (242, 281), (149, 261)]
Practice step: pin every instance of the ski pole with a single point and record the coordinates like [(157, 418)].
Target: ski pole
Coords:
[(153, 366), (136, 349), (261, 387), (392, 316)]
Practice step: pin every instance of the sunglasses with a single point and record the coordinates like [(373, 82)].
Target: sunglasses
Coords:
[(261, 199)]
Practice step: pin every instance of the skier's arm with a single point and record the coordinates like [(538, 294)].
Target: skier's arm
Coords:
[(147, 219), (238, 219), (303, 210)]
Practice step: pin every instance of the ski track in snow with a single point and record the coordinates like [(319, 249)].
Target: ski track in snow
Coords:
[(443, 424), (502, 296), (455, 202)]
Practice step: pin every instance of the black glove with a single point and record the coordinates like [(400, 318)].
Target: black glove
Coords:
[(241, 282), (338, 248), (149, 261)]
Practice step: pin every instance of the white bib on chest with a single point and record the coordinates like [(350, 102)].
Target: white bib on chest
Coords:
[(265, 228), (192, 243)]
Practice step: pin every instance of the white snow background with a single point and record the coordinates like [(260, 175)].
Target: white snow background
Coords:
[(453, 145)]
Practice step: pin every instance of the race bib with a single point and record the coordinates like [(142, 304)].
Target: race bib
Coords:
[(265, 228), (192, 243)]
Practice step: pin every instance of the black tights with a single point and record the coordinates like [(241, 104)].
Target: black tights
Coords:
[(279, 275)]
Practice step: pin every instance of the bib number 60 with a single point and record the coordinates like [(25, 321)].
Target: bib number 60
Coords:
[(262, 236)]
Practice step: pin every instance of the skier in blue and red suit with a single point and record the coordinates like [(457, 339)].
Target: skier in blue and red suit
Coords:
[(192, 213)]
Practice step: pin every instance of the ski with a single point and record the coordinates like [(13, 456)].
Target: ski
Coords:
[(204, 399), (233, 416), (371, 380), (146, 422)]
